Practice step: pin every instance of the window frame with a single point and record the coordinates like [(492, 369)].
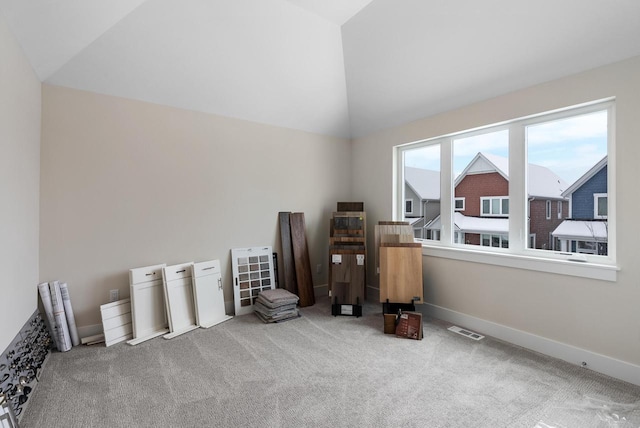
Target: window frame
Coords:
[(596, 205), (406, 211), (491, 200), (492, 236), (462, 199), (517, 255), (548, 209)]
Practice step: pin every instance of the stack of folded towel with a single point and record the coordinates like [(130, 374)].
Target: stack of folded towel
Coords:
[(276, 305)]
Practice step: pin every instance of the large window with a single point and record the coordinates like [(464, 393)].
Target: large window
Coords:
[(500, 185), (480, 178), (420, 178), (564, 155)]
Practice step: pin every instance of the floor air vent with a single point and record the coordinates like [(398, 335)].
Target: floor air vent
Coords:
[(462, 331)]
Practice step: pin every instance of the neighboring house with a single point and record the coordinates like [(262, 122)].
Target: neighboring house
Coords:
[(422, 198), (482, 203), (586, 231)]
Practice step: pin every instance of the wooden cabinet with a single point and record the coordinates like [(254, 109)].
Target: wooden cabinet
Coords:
[(148, 310), (208, 296), (178, 294)]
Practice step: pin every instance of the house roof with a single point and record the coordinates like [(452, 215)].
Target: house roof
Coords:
[(343, 68), (585, 177), (583, 230), (424, 182), (484, 163), (469, 224), (542, 182)]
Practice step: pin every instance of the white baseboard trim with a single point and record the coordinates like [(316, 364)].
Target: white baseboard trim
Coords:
[(89, 330), (229, 307), (373, 294), (597, 362), (321, 290)]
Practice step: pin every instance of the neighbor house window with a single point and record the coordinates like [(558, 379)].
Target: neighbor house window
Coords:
[(559, 209), (548, 210), (498, 241), (498, 184), (408, 206), (600, 202), (495, 206)]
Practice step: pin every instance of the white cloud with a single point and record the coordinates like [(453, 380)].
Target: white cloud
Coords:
[(427, 157), (589, 126), (493, 142), (569, 147)]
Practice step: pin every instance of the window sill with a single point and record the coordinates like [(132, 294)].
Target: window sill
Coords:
[(562, 267)]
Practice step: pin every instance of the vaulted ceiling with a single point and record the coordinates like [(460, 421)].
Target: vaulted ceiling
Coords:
[(335, 67)]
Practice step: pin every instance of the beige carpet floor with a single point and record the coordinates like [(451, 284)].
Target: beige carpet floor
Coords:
[(323, 371)]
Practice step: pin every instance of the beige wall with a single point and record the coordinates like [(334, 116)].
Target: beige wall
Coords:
[(19, 186), (127, 184), (601, 317)]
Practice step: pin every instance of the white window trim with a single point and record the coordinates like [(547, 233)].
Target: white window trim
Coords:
[(572, 267), (559, 209), (491, 236), (405, 206), (597, 196), (518, 256), (548, 209), (490, 199), (583, 251), (463, 204)]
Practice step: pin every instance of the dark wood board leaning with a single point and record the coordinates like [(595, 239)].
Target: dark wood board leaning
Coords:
[(288, 264), (350, 206), (301, 259)]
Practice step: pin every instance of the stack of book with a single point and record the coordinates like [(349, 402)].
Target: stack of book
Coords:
[(276, 305)]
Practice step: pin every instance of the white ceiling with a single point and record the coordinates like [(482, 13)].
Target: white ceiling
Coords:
[(337, 11), (333, 67)]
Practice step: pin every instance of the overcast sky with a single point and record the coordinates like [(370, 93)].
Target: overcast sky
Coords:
[(568, 147)]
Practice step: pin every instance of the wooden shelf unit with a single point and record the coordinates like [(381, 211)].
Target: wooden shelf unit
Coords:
[(347, 262)]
